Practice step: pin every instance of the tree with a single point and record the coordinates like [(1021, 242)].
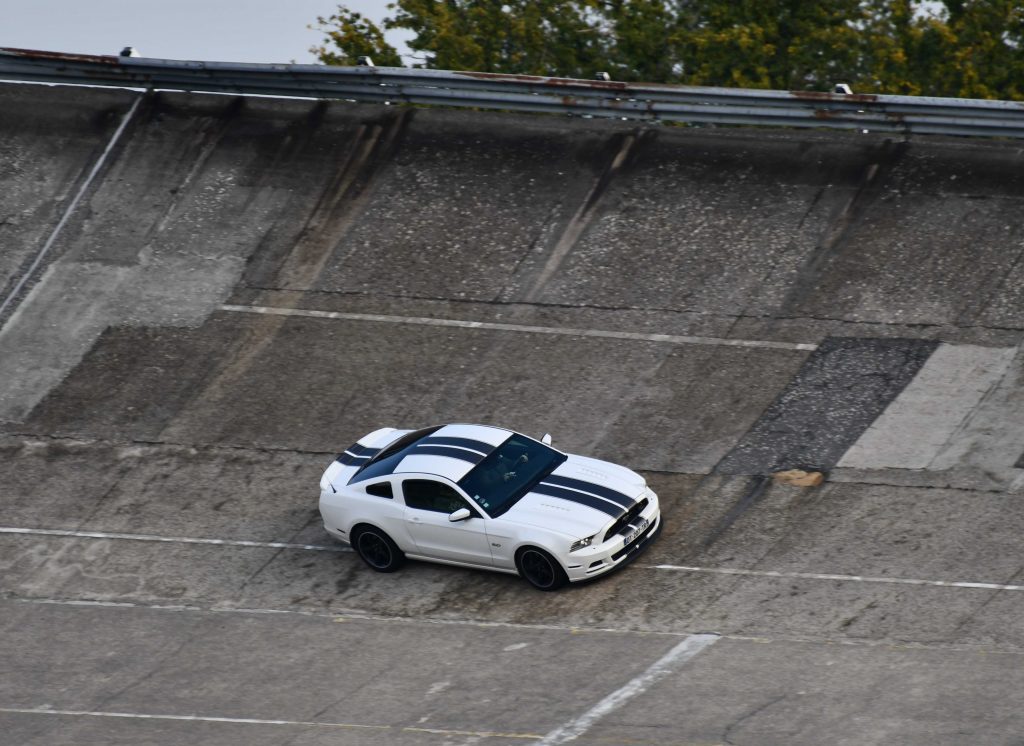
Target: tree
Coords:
[(980, 49), (899, 57), (644, 39), (353, 36), (972, 48), (543, 37), (963, 48)]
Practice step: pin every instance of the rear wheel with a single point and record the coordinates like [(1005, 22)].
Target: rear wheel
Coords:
[(376, 549), (540, 569)]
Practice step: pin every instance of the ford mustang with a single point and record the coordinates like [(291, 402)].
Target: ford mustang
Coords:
[(486, 497)]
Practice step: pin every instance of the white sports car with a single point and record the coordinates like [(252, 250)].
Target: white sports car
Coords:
[(486, 497)]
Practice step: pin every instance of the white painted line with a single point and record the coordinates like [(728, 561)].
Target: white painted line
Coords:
[(661, 668), (844, 578), (170, 539), (676, 568), (348, 615), (495, 326), (191, 718), (261, 721), (73, 204), (342, 615), (474, 733)]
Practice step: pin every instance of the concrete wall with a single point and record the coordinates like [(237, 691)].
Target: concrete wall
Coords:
[(776, 238), (247, 287)]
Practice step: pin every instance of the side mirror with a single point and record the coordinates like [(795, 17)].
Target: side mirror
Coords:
[(546, 440), (459, 515)]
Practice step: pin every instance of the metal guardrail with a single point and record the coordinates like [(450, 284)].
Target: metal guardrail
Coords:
[(594, 98)]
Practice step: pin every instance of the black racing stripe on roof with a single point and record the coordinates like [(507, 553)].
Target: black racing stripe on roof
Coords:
[(443, 440), (595, 489), (578, 497), (357, 450), (460, 453)]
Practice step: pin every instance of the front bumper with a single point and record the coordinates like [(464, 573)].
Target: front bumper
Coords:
[(601, 559)]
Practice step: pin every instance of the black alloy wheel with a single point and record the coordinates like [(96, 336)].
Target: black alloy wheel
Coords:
[(377, 550), (540, 569)]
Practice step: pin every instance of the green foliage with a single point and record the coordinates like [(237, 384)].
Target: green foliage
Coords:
[(969, 48), (771, 43), (353, 36), (980, 50), (643, 39), (544, 37)]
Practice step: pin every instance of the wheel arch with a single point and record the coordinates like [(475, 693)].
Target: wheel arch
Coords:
[(556, 574), (531, 544), (401, 539), (550, 542), (362, 524)]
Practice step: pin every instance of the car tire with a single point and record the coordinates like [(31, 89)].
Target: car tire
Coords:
[(376, 549), (540, 569)]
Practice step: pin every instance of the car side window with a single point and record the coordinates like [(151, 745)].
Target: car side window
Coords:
[(426, 494), (380, 489)]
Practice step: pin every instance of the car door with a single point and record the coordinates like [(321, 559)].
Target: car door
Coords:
[(428, 503)]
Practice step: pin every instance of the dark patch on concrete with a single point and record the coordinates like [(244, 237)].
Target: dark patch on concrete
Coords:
[(840, 390), (753, 494), (134, 381), (355, 156), (881, 162), (620, 154), (374, 145), (621, 150), (1020, 462)]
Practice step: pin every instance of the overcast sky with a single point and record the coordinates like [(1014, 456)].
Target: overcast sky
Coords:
[(212, 30)]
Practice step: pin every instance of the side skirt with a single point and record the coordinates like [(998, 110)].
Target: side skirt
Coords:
[(453, 563)]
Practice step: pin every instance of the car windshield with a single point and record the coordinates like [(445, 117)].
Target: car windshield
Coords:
[(508, 473)]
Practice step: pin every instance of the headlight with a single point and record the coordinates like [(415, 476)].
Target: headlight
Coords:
[(581, 543)]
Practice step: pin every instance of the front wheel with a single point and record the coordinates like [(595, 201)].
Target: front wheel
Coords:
[(377, 549), (540, 569)]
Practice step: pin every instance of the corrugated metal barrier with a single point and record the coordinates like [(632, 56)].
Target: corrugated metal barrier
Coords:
[(525, 93)]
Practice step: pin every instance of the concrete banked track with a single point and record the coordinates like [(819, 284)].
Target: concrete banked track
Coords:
[(207, 297)]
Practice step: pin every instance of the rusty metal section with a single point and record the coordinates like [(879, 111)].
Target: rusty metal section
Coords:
[(608, 85), (31, 54), (531, 93), (858, 98)]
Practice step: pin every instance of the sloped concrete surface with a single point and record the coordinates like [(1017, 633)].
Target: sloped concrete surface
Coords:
[(244, 289)]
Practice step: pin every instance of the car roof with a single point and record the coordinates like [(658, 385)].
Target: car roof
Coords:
[(453, 450)]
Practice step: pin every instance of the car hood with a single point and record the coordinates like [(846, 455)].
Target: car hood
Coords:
[(572, 519), (604, 473)]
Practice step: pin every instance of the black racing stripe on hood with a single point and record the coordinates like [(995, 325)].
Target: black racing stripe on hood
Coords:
[(578, 497), (451, 451), (443, 440), (595, 489)]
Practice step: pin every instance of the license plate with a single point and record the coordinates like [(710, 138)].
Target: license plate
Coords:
[(637, 531)]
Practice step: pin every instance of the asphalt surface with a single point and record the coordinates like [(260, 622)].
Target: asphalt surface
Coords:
[(243, 288)]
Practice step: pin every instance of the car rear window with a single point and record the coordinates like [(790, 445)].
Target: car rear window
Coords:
[(384, 463)]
